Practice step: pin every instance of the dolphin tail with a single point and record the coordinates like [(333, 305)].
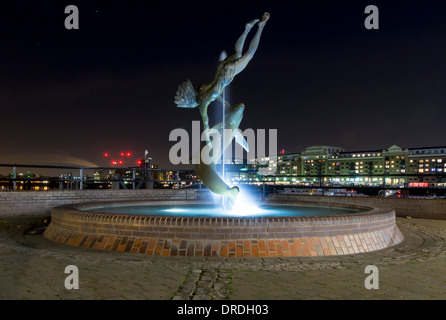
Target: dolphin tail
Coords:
[(240, 139), (232, 196)]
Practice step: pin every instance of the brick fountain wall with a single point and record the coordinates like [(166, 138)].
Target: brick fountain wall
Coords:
[(225, 237)]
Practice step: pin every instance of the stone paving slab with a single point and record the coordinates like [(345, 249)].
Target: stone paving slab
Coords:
[(32, 267)]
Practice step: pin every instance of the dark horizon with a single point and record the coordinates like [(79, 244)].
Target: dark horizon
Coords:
[(318, 76)]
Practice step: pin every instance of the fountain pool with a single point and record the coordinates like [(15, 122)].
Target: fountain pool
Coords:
[(211, 210), (192, 228)]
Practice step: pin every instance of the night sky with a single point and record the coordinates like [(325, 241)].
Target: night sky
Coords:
[(319, 76)]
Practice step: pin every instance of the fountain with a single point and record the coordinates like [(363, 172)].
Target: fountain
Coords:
[(236, 228)]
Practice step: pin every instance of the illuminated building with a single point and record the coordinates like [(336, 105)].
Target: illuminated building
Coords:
[(317, 165)]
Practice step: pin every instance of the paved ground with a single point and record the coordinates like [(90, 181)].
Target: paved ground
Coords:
[(32, 267)]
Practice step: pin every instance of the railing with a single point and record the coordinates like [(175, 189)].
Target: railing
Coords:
[(142, 178), (139, 176)]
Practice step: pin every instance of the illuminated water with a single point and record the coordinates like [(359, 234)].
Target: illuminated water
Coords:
[(210, 210)]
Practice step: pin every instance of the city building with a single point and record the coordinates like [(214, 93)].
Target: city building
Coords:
[(328, 165)]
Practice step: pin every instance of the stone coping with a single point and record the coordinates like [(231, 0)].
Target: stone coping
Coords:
[(366, 231), (366, 213)]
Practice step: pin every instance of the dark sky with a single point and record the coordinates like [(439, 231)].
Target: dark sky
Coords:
[(319, 77)]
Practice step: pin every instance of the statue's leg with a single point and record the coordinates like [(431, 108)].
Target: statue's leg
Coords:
[(241, 40), (243, 61)]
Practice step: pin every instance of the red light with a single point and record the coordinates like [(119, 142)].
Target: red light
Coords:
[(113, 163), (122, 154), (139, 162), (120, 162), (129, 154), (106, 155)]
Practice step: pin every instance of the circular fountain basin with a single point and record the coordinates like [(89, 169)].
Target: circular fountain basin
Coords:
[(192, 228), (210, 210)]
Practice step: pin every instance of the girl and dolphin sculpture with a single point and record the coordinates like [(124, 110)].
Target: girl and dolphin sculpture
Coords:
[(187, 97)]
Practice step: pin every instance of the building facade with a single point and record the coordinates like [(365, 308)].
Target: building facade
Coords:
[(328, 165)]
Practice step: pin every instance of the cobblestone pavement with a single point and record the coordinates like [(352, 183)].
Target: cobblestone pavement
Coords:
[(32, 267)]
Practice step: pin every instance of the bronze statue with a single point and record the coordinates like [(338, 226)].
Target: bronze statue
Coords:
[(187, 97), (226, 71)]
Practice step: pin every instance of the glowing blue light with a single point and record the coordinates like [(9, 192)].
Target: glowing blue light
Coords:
[(175, 210), (243, 209), (245, 206)]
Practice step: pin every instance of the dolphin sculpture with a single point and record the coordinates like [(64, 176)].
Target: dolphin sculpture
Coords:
[(207, 172)]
